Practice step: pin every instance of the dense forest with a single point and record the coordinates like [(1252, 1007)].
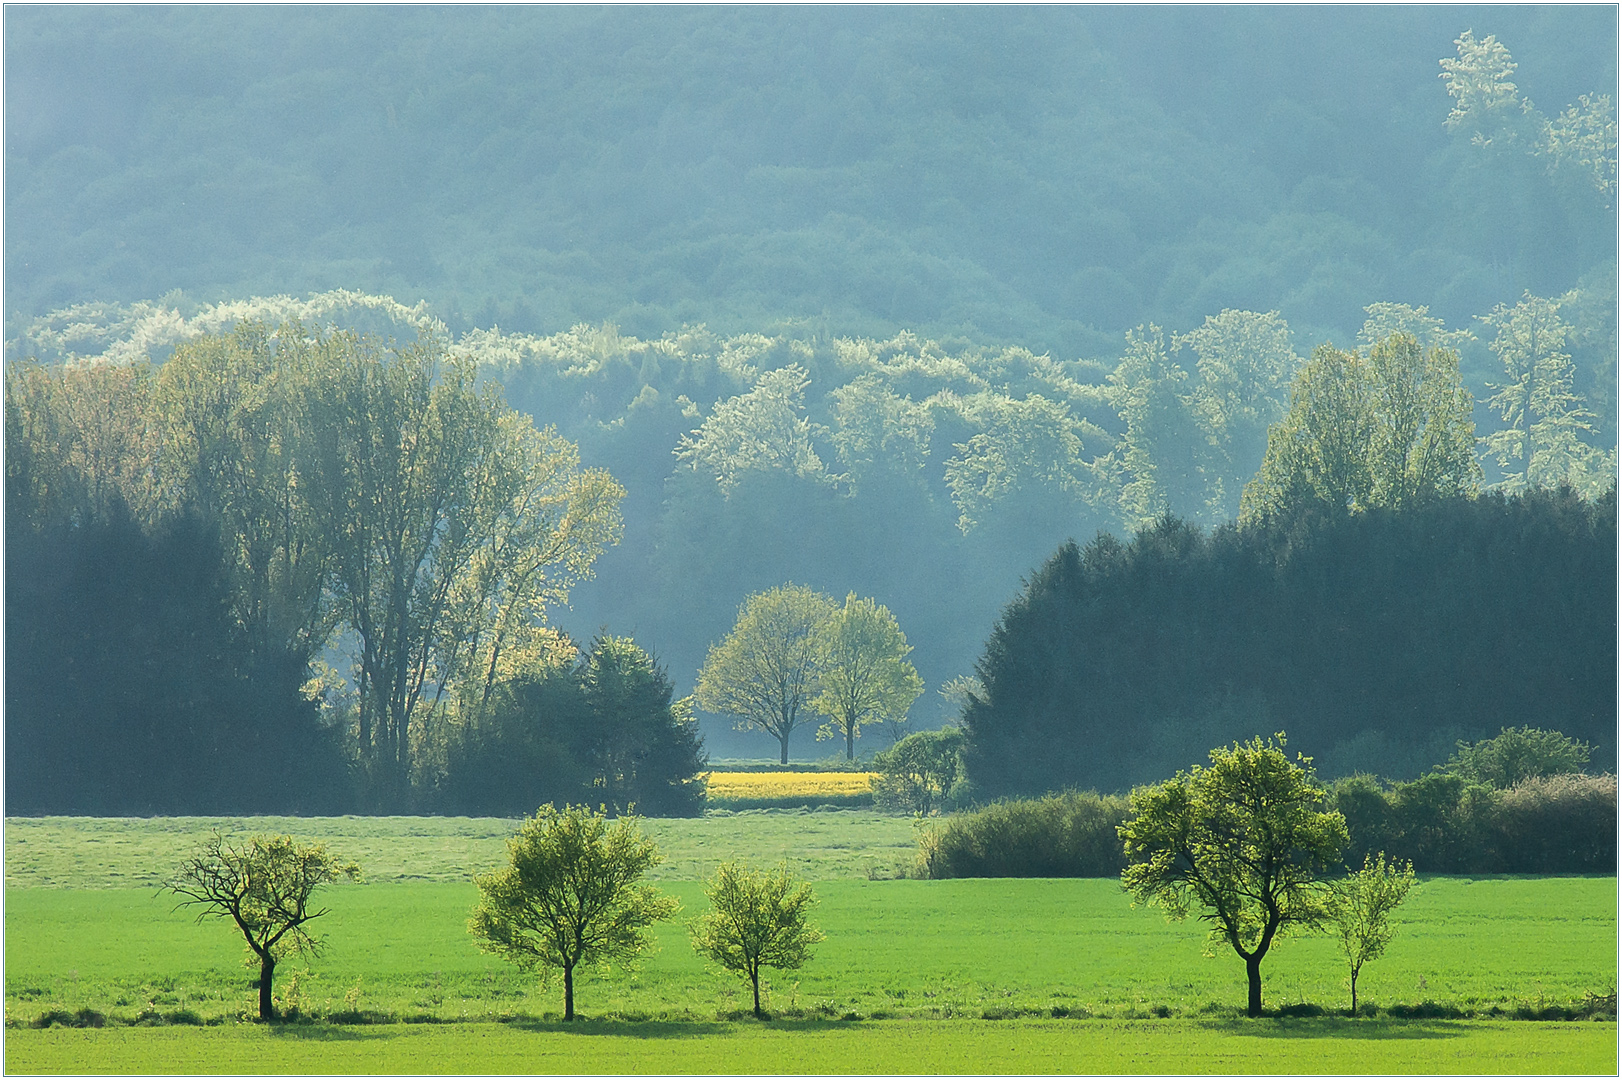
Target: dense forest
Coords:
[(1376, 640), (888, 301)]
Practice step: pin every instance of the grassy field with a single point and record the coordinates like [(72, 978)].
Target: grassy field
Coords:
[(87, 929), (1157, 1047), (96, 853)]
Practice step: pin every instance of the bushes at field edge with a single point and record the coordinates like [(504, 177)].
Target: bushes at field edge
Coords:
[(1446, 824), (1067, 835)]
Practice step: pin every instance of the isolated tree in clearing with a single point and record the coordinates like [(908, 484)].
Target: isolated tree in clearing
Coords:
[(572, 895), (265, 887), (1243, 839), (756, 920)]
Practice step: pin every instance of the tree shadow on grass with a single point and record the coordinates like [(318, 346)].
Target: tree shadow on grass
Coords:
[(319, 1031), (1338, 1027), (669, 1029), (331, 1032)]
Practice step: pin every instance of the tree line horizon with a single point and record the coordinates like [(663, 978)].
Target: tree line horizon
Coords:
[(443, 603)]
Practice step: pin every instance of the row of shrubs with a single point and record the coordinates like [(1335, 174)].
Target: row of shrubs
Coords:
[(1448, 824), (1445, 823)]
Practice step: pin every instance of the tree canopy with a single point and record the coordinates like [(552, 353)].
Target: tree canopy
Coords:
[(1243, 840), (1388, 636), (265, 886), (766, 671), (1391, 428), (756, 920), (865, 677), (365, 497), (572, 894)]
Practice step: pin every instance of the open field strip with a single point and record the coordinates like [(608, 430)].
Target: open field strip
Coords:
[(64, 852), (916, 976), (832, 1047), (778, 785), (926, 949)]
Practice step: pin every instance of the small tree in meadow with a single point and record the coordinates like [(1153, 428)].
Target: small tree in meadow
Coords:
[(572, 895), (756, 920), (1245, 840), (264, 886), (1360, 909)]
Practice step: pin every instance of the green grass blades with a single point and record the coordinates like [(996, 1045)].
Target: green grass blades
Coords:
[(973, 948), (813, 1047), (96, 853)]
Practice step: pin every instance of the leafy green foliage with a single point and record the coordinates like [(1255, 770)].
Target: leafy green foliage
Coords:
[(1390, 428), (865, 676), (591, 173), (914, 439), (365, 498), (1388, 635), (132, 689), (1491, 108), (453, 522), (1517, 754), (1360, 908), (766, 671), (572, 895), (756, 920), (763, 430), (1191, 442), (1542, 412), (599, 727), (1447, 824), (265, 887), (1243, 840), (1073, 834), (920, 771)]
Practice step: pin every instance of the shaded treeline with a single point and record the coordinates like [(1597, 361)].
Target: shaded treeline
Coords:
[(886, 467), (130, 690), (1443, 822), (1376, 640), (192, 549)]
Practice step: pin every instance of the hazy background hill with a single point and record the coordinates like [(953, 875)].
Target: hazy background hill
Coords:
[(710, 194), (1043, 177)]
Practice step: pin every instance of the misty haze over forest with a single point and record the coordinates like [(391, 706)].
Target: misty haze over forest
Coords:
[(981, 268)]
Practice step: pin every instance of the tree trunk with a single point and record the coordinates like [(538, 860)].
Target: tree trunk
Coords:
[(568, 992), (1354, 991), (267, 1009), (1253, 970), (850, 742), (784, 741), (754, 979)]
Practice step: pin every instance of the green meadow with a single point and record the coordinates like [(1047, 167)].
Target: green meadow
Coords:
[(1065, 972), (1153, 1047)]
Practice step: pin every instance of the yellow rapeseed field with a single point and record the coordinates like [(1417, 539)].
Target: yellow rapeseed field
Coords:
[(787, 785)]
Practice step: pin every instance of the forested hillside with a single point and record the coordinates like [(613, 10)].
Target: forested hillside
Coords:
[(883, 301), (1045, 177)]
